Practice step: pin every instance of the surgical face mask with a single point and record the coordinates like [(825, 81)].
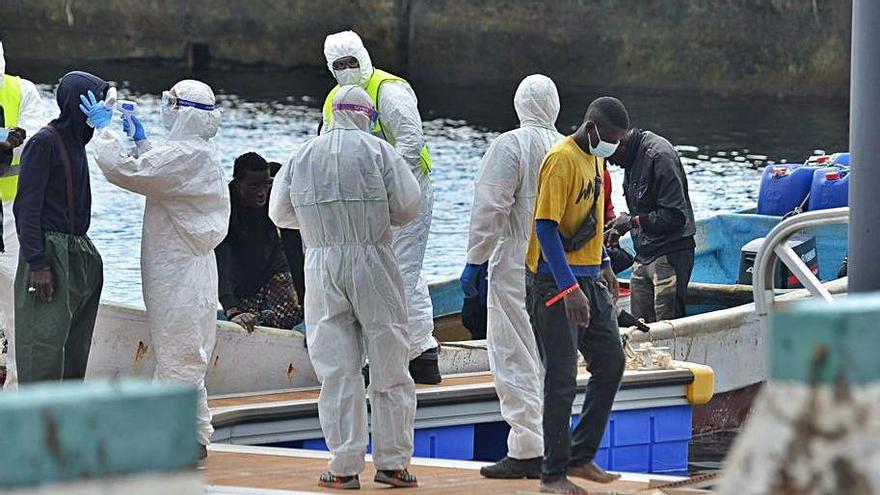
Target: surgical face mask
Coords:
[(604, 149), (169, 116), (347, 77)]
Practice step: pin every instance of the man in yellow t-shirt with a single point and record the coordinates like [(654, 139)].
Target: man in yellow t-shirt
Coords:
[(569, 296)]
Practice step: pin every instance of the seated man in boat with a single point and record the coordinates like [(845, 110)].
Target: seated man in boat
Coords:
[(501, 222), (568, 297), (660, 220), (255, 285), (344, 190)]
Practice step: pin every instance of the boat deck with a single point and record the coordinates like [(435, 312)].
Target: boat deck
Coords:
[(296, 471), (463, 383)]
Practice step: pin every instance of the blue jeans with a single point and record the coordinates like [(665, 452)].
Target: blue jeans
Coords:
[(558, 343)]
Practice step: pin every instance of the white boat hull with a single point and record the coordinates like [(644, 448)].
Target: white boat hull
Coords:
[(267, 359)]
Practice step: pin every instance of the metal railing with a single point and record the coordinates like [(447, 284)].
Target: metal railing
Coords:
[(776, 247)]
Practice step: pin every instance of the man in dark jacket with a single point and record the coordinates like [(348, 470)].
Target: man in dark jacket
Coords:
[(255, 285), (60, 273), (661, 221)]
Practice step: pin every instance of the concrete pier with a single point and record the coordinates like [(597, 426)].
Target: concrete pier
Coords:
[(787, 47)]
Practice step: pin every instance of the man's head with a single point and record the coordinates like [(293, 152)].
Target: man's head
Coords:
[(605, 124), (250, 179), (353, 109), (536, 101), (189, 109), (347, 58)]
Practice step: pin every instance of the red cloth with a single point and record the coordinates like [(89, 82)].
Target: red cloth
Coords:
[(609, 205)]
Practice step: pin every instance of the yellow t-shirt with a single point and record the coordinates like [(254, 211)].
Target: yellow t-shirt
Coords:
[(565, 196)]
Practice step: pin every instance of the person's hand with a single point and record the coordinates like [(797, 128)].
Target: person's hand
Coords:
[(42, 284), (247, 321), (577, 308), (612, 283), (98, 114), (468, 280), (14, 139), (612, 237), (139, 133), (622, 224)]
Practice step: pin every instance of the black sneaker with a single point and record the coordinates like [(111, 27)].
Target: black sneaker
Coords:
[(425, 369), (513, 469)]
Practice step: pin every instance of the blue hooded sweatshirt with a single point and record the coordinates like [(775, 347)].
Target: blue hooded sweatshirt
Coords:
[(41, 201)]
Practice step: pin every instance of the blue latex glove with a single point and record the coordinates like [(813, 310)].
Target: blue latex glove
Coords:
[(99, 115), (469, 280), (139, 133)]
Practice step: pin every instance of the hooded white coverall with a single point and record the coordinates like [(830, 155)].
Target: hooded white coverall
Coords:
[(31, 117), (501, 223), (185, 218), (402, 125), (344, 190)]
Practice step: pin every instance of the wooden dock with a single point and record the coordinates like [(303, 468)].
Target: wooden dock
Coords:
[(288, 471)]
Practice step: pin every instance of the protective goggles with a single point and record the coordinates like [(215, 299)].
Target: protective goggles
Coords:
[(170, 101), (372, 113)]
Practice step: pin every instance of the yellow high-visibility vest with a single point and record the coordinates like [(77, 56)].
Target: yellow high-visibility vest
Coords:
[(376, 80), (10, 100)]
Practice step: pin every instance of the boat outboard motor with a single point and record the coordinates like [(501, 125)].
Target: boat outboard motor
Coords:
[(804, 246)]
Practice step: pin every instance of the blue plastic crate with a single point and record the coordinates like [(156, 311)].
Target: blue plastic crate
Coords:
[(449, 442), (669, 457), (646, 440)]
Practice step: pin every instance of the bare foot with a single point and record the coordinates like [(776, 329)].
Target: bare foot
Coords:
[(562, 485), (592, 472)]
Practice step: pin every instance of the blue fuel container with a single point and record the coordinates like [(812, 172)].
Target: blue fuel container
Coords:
[(783, 188), (840, 159), (830, 188)]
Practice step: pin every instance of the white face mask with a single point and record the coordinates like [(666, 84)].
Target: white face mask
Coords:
[(169, 116), (604, 149), (347, 77)]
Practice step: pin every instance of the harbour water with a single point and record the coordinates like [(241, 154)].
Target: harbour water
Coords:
[(724, 141)]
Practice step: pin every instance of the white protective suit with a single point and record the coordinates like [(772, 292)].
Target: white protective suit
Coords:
[(344, 190), (185, 218), (31, 117), (402, 125), (501, 223)]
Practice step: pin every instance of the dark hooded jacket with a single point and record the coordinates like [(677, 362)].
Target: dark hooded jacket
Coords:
[(250, 255), (41, 201), (656, 190)]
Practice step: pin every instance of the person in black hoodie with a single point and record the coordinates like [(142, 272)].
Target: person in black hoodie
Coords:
[(60, 273), (661, 220), (256, 287)]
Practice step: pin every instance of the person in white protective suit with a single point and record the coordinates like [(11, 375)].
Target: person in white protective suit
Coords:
[(399, 124), (23, 109), (344, 190), (501, 223), (185, 218)]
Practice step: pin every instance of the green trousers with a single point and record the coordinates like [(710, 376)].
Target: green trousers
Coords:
[(52, 339)]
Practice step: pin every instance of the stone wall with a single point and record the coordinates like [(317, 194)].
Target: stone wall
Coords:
[(739, 46)]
